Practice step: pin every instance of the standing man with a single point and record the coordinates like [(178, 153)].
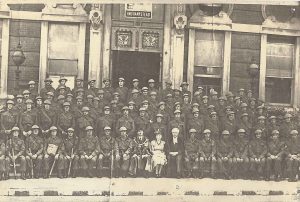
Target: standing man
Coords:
[(65, 120), (122, 90), (8, 120), (127, 122), (48, 88), (84, 121), (28, 118), (192, 153)]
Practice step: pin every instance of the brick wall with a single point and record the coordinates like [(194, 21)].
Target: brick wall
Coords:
[(29, 33), (244, 47)]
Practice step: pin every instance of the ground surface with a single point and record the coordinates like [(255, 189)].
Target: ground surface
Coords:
[(140, 189)]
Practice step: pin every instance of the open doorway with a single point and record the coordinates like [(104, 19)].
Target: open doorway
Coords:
[(134, 64)]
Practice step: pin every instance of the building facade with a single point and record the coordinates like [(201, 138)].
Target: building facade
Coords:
[(225, 47)]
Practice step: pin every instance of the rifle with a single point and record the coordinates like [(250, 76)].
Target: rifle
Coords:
[(31, 164), (13, 155), (70, 164)]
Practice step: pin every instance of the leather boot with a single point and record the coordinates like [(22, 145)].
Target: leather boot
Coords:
[(59, 174), (74, 173), (23, 175)]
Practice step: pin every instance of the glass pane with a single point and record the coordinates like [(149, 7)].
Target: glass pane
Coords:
[(278, 90), (280, 57), (63, 41), (207, 70)]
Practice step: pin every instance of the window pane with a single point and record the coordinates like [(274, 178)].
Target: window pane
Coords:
[(278, 90), (209, 52), (280, 57)]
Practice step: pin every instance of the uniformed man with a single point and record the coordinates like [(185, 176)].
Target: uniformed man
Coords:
[(207, 151), (62, 83), (88, 151), (177, 122), (142, 122), (107, 150), (92, 90), (293, 155), (276, 151), (213, 124), (78, 84), (34, 148), (197, 123), (168, 90), (220, 108), (76, 109), (32, 89), (152, 87), (123, 148), (28, 118), (197, 98), (106, 120), (89, 100), (230, 124), (225, 154), (127, 122), (53, 151), (261, 125), (175, 152), (257, 155), (8, 120), (26, 95), (122, 90), (4, 161), (273, 125), (65, 120), (84, 121), (46, 117), (203, 106), (241, 151), (71, 154), (108, 90), (162, 110), (20, 106), (286, 127), (192, 153), (135, 85), (48, 88), (246, 125), (158, 125), (140, 159), (16, 151), (184, 90), (145, 94)]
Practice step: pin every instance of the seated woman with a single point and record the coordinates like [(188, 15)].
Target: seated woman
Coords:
[(157, 148)]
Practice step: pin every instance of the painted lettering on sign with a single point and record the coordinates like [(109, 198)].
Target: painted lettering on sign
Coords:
[(138, 10)]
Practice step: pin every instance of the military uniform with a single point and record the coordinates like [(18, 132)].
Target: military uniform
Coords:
[(192, 155), (107, 146), (4, 160), (257, 155), (88, 150), (82, 123), (105, 120), (143, 123), (293, 157), (241, 156), (17, 145), (65, 120), (123, 149), (177, 123), (34, 154), (128, 123), (27, 120), (49, 157), (140, 156), (8, 120), (123, 91), (46, 119), (71, 148), (207, 159)]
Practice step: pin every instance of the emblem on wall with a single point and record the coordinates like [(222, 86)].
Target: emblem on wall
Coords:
[(180, 22), (123, 39), (150, 40)]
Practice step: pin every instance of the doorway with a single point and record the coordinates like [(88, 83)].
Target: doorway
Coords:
[(134, 64)]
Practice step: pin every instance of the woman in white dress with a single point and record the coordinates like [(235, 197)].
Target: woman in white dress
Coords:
[(159, 159)]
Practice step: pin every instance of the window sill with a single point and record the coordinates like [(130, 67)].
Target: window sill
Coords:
[(207, 76)]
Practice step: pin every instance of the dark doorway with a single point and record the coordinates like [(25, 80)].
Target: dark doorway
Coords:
[(133, 64)]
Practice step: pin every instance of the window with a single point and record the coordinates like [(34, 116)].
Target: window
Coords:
[(209, 59), (279, 69), (63, 48)]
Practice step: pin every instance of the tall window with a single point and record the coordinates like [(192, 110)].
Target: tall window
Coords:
[(208, 63), (279, 71)]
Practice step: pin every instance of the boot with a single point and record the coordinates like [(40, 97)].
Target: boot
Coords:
[(46, 174), (89, 173), (1, 176), (23, 175), (59, 174), (74, 173)]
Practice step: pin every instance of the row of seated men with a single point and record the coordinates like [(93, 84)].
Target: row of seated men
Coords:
[(227, 157)]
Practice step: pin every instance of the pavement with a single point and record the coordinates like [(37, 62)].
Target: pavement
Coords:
[(164, 187)]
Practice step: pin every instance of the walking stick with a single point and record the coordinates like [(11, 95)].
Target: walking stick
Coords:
[(13, 155), (70, 164), (31, 164)]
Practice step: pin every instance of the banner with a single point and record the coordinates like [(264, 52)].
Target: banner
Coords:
[(138, 10)]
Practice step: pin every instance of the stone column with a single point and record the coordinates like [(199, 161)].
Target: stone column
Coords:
[(179, 21), (96, 30)]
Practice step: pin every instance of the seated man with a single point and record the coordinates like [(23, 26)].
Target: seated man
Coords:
[(225, 154), (175, 151), (207, 150), (53, 152), (293, 158), (192, 153), (241, 154), (34, 152), (88, 151), (140, 155), (107, 143), (4, 161), (123, 149), (16, 151), (257, 154), (275, 154), (71, 154)]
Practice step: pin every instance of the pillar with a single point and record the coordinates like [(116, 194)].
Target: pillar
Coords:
[(43, 53), (4, 58)]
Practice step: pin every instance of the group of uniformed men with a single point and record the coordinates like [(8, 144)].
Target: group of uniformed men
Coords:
[(85, 130)]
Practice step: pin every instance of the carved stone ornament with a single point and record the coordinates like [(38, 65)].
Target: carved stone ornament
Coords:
[(96, 19), (180, 21), (150, 40)]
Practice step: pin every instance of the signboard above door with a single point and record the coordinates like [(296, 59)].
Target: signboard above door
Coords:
[(138, 10)]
